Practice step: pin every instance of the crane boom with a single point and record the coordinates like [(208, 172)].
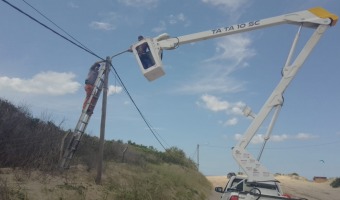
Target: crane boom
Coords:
[(308, 18), (315, 18)]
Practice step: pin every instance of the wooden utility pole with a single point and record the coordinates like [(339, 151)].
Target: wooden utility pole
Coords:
[(102, 124), (198, 157)]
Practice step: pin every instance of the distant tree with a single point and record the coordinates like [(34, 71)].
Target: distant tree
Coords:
[(335, 183), (177, 156)]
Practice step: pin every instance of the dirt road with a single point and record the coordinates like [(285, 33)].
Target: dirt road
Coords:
[(216, 181)]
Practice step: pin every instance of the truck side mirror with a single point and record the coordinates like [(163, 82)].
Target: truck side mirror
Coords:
[(148, 56), (219, 189)]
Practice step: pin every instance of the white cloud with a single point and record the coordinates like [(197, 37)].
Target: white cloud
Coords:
[(234, 48), (72, 5), (232, 7), (114, 90), (230, 4), (231, 54), (51, 83), (160, 28), (231, 122), (304, 136), (102, 26), (259, 138), (212, 83), (237, 108), (178, 19), (214, 104), (279, 138), (140, 3), (238, 137), (108, 22)]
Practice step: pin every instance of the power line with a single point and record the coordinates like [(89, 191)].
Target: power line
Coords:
[(89, 51), (42, 24), (56, 25), (139, 111), (152, 130), (160, 136)]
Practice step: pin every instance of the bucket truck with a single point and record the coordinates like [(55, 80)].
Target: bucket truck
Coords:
[(317, 18)]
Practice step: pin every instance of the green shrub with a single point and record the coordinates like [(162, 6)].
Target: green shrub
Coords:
[(335, 183)]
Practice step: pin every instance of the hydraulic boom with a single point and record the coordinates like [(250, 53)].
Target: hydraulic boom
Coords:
[(315, 18)]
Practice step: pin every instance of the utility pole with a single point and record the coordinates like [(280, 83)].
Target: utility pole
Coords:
[(198, 157), (102, 124)]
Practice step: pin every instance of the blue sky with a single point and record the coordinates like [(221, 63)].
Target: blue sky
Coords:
[(207, 83)]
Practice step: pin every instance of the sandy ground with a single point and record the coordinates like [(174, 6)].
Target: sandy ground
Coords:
[(294, 186)]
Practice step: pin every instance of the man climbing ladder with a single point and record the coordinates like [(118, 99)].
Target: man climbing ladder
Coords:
[(94, 85), (89, 85)]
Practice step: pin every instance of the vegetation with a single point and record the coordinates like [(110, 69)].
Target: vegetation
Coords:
[(30, 150), (335, 183), (293, 174)]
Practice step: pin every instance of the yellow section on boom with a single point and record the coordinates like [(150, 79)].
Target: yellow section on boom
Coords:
[(322, 13)]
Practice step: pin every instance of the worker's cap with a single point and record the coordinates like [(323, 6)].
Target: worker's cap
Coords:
[(140, 38)]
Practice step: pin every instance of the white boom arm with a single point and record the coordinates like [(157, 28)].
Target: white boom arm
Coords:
[(308, 18), (153, 70), (316, 18)]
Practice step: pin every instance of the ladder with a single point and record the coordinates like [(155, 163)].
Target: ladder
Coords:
[(83, 119)]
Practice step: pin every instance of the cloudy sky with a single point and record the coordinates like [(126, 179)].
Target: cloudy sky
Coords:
[(199, 101)]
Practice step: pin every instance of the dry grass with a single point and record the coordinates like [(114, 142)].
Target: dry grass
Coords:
[(120, 181)]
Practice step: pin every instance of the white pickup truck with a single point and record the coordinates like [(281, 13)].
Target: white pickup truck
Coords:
[(239, 188)]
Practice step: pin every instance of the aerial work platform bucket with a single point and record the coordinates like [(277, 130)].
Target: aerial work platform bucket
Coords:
[(148, 57)]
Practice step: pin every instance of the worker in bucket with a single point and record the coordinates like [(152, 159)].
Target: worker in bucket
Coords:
[(143, 51), (89, 86)]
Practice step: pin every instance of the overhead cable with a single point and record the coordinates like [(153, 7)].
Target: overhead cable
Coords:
[(139, 111), (80, 45), (42, 24), (56, 25)]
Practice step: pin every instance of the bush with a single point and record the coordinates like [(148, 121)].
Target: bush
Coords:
[(177, 156), (137, 171), (335, 183), (26, 141)]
